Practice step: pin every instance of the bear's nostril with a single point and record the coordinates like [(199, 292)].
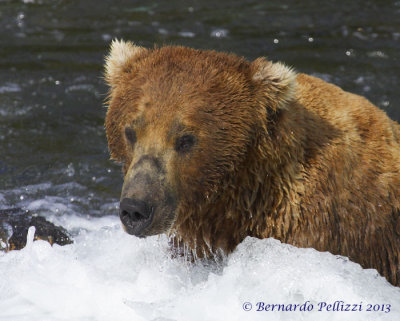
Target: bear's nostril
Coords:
[(137, 216), (124, 214), (133, 216)]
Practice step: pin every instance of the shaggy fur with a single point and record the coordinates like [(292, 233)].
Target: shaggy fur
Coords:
[(277, 154)]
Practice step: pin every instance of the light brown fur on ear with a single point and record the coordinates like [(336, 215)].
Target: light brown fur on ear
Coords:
[(278, 79), (122, 53)]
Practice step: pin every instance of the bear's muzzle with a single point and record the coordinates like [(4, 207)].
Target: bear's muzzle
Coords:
[(148, 204)]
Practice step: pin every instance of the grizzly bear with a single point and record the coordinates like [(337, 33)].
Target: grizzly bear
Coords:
[(216, 148)]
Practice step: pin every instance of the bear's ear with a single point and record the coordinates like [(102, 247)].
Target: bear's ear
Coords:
[(278, 82), (122, 55)]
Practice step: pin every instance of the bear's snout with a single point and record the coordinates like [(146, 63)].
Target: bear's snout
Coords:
[(148, 203), (135, 215)]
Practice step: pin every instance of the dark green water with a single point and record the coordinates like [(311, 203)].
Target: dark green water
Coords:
[(54, 157)]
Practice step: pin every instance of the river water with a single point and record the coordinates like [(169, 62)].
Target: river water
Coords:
[(52, 93), (53, 151)]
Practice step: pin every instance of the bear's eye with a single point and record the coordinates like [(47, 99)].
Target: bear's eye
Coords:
[(130, 135), (184, 143)]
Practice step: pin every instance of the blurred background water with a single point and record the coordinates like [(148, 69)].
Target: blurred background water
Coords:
[(53, 149)]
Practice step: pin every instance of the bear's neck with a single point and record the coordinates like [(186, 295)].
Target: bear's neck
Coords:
[(271, 183)]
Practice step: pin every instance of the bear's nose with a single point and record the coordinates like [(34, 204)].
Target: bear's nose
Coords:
[(135, 215)]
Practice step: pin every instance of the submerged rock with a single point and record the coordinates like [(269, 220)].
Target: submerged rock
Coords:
[(14, 225)]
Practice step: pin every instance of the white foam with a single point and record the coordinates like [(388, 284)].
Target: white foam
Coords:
[(109, 275), (219, 33), (10, 88), (2, 200)]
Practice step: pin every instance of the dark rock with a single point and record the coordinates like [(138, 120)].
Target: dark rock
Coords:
[(14, 225)]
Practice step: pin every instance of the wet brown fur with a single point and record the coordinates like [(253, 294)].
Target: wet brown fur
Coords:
[(279, 154)]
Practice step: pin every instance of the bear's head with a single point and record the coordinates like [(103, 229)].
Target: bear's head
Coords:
[(183, 122)]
